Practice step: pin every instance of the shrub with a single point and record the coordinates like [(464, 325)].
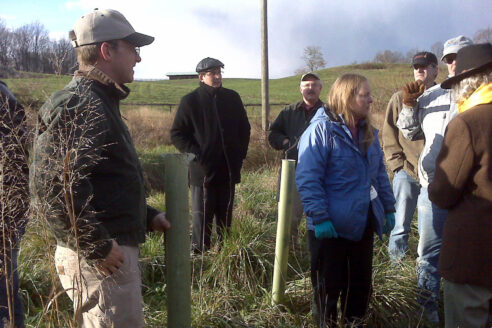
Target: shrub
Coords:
[(260, 154), (149, 127)]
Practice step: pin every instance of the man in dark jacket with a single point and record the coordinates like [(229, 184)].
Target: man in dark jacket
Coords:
[(87, 180), (211, 123), (14, 198), (288, 127), (463, 184)]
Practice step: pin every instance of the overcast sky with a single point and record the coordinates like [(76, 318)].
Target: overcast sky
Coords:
[(189, 30)]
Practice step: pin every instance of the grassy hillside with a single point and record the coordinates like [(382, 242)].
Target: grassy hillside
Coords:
[(384, 82)]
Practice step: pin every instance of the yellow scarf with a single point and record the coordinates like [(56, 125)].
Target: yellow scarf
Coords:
[(482, 95)]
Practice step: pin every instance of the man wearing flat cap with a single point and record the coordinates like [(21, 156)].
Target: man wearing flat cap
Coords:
[(462, 184), (211, 124), (424, 116), (86, 177), (402, 157), (286, 130)]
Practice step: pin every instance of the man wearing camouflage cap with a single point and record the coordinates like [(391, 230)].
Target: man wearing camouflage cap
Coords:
[(211, 123), (425, 115), (87, 180)]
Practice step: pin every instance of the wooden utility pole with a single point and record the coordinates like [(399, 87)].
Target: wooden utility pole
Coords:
[(265, 106)]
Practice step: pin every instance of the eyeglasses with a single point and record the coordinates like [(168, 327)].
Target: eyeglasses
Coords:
[(449, 59), (114, 44)]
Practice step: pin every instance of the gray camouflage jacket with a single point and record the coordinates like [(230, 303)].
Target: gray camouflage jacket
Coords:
[(428, 120)]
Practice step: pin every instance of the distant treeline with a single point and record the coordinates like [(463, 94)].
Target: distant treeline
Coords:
[(29, 48)]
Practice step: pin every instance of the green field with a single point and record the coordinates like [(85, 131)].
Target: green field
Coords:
[(230, 288), (384, 81)]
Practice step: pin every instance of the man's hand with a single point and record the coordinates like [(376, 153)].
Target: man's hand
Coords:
[(160, 223), (112, 262), (411, 91)]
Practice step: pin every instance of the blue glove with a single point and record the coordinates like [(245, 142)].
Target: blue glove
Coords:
[(389, 224), (325, 230)]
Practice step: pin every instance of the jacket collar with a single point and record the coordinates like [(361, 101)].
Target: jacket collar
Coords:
[(95, 74), (301, 105), (210, 90)]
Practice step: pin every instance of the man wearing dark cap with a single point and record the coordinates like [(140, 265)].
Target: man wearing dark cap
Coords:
[(463, 185), (288, 127), (87, 180), (424, 116), (402, 157), (211, 124)]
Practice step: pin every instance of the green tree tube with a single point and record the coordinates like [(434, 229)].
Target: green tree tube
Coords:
[(178, 265), (283, 230)]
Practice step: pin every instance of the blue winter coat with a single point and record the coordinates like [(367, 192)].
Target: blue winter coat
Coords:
[(334, 178)]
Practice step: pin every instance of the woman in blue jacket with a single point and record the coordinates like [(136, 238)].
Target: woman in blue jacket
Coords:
[(347, 197)]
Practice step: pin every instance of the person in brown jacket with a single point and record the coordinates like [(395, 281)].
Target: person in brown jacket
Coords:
[(463, 184), (402, 157)]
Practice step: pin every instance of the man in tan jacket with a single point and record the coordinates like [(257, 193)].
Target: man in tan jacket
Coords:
[(402, 157)]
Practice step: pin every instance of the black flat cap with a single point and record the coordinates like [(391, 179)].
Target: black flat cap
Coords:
[(207, 64)]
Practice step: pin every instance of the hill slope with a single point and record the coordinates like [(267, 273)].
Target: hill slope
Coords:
[(285, 90)]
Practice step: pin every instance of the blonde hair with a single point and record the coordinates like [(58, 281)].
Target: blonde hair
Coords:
[(466, 87), (341, 99), (87, 55)]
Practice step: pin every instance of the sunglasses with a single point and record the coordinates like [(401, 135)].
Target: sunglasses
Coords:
[(419, 66), (449, 59)]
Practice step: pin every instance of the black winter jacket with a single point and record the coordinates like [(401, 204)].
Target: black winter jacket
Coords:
[(212, 124), (290, 123), (83, 122)]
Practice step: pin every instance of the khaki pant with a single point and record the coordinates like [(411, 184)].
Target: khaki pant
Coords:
[(99, 301)]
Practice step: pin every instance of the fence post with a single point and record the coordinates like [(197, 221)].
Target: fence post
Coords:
[(283, 230), (178, 265)]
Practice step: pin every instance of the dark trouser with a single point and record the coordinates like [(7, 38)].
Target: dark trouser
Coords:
[(208, 202), (13, 286), (340, 267)]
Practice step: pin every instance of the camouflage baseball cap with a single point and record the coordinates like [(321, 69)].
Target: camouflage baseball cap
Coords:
[(105, 25)]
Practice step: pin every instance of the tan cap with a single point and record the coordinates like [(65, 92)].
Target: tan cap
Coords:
[(310, 74), (106, 25)]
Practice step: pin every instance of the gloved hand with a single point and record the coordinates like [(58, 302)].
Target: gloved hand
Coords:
[(325, 230), (389, 224), (411, 91)]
